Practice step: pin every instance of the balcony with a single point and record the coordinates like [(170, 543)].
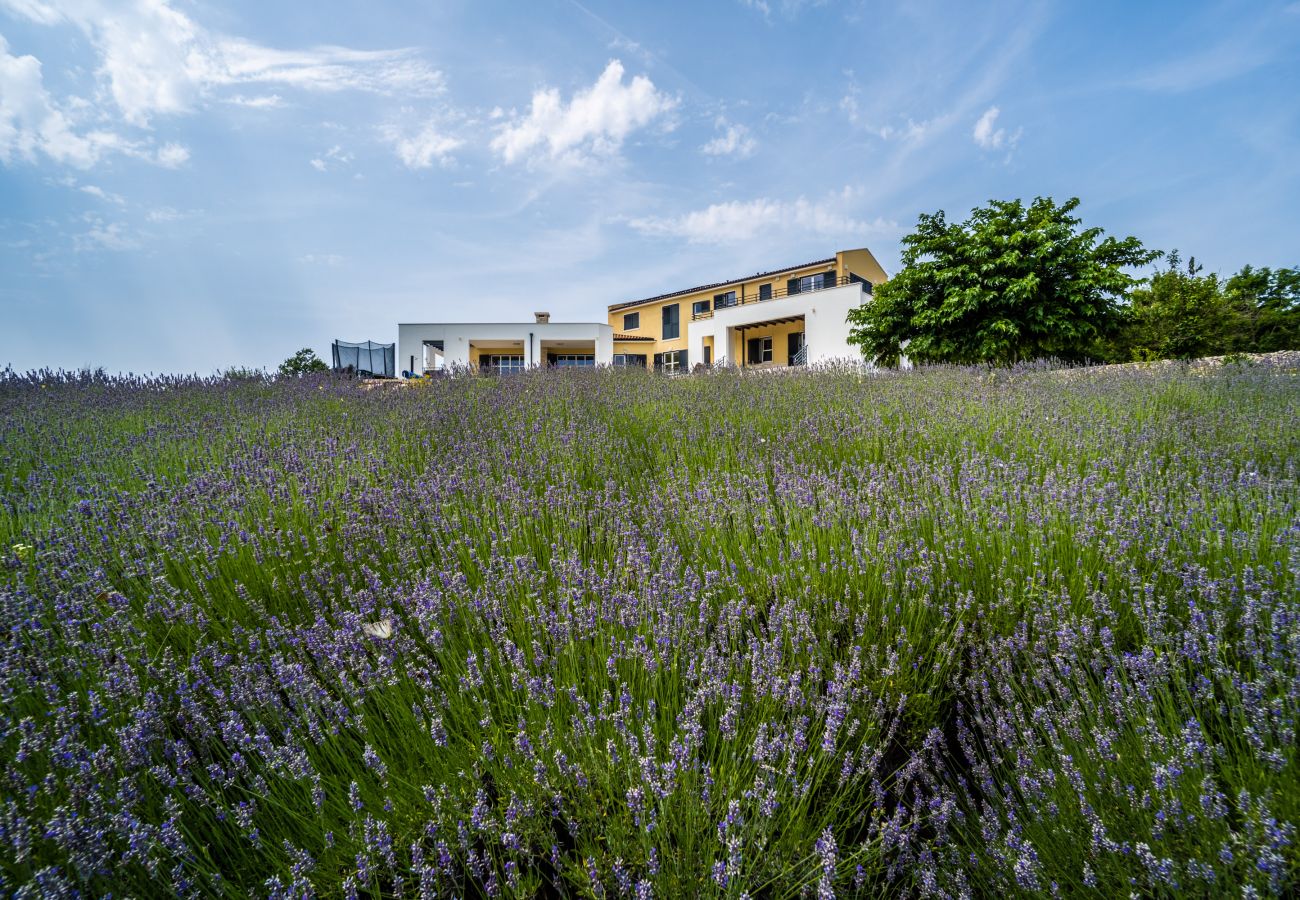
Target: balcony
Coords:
[(779, 293)]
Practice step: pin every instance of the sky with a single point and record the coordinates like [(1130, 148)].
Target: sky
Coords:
[(191, 185)]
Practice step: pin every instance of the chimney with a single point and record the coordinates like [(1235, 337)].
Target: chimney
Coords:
[(542, 317)]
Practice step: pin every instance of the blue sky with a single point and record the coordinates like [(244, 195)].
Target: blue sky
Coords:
[(186, 186)]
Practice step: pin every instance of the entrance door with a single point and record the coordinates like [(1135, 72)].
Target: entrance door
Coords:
[(794, 345)]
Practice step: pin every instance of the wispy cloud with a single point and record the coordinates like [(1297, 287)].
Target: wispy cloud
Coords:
[(987, 135), (421, 148), (594, 123), (1254, 46), (105, 236), (98, 192), (155, 60), (788, 8), (333, 260), (164, 214), (736, 221), (333, 158), (32, 123), (261, 101), (735, 140), (172, 155)]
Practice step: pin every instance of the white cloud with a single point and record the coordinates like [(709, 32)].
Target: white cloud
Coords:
[(595, 122), (419, 150), (172, 156), (735, 140), (738, 221), (332, 260), (789, 8), (105, 236), (263, 101), (165, 214), (156, 60), (333, 158), (989, 136), (31, 122), (98, 192)]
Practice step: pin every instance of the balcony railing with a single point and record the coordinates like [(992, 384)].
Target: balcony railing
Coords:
[(777, 294)]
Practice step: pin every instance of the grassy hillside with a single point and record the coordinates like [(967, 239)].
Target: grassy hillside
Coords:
[(614, 633)]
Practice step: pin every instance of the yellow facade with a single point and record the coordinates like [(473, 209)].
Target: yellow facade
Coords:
[(650, 312)]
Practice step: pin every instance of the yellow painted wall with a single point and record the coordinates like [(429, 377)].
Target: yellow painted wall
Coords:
[(860, 262), (475, 353), (780, 335), (652, 313), (638, 348)]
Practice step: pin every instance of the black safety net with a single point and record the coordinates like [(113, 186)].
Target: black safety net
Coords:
[(366, 358)]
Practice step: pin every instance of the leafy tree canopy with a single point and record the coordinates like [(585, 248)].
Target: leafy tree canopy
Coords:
[(1266, 305), (1181, 313), (1178, 314), (303, 362), (1010, 283)]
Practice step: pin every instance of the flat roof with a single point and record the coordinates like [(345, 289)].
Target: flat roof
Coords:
[(705, 287)]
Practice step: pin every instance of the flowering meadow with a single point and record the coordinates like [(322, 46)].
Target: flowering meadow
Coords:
[(615, 634)]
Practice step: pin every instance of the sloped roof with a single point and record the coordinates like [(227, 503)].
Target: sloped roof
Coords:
[(717, 284), (632, 337)]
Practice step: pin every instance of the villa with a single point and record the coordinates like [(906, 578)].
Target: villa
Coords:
[(790, 316)]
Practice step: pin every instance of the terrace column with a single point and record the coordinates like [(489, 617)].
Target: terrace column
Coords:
[(698, 331), (604, 346)]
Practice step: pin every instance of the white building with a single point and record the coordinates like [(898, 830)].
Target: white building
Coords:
[(820, 318), (502, 346)]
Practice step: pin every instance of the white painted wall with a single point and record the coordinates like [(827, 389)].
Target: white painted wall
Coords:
[(457, 337), (826, 327)]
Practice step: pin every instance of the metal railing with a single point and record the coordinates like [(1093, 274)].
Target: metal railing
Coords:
[(800, 358), (778, 293)]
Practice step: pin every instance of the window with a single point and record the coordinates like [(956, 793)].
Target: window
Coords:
[(765, 292), (630, 359), (708, 356), (722, 301), (672, 322), (570, 360), (671, 362), (700, 307), (816, 282), (498, 364), (858, 279), (631, 321), (759, 350)]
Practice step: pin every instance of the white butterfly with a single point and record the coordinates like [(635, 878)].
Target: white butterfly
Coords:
[(382, 629)]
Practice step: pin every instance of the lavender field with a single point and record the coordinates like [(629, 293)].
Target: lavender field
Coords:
[(607, 633)]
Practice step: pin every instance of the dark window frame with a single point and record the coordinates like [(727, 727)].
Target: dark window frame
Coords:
[(502, 363), (572, 360), (631, 321), (672, 321)]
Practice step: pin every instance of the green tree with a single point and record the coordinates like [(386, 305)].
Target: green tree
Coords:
[(1010, 283), (1179, 314), (304, 362), (1266, 307)]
